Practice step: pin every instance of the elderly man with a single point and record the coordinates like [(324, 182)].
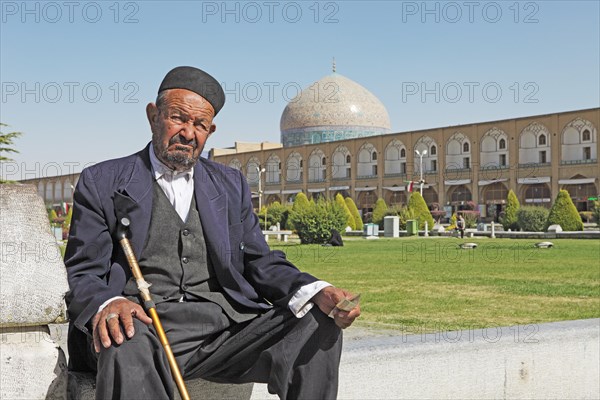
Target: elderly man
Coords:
[(233, 310)]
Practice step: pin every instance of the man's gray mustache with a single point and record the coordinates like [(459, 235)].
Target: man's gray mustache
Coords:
[(178, 139)]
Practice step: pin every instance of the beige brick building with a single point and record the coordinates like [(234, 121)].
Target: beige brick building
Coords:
[(534, 156)]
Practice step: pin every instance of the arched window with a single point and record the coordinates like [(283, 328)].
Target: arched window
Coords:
[(542, 140), (403, 153), (374, 156), (502, 144), (324, 161), (433, 150), (348, 159), (586, 136), (465, 147)]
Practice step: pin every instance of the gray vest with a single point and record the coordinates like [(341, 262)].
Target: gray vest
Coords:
[(175, 260)]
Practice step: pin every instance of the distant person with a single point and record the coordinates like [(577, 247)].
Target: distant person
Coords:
[(233, 310), (336, 238), (460, 225)]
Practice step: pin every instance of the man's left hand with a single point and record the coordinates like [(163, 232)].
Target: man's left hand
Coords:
[(327, 299)]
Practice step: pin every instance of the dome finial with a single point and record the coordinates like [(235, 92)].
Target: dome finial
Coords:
[(334, 64)]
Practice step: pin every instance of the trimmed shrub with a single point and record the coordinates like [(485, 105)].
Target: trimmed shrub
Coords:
[(349, 217), (314, 224), (358, 224), (421, 213), (69, 216), (300, 201), (470, 217), (596, 212), (276, 213), (532, 219), (404, 214), (564, 213), (379, 212), (509, 219), (52, 216), (586, 216)]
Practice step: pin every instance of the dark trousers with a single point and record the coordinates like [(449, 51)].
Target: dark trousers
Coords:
[(297, 357)]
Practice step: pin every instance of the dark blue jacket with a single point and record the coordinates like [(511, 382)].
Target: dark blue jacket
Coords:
[(248, 271)]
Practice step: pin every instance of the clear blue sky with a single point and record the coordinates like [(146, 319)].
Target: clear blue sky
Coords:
[(76, 77)]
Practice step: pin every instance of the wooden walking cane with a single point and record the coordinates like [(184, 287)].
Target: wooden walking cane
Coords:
[(150, 306)]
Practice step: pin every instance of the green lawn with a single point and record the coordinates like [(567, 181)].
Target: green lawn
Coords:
[(428, 284)]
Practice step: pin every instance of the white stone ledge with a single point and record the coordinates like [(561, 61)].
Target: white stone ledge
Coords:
[(554, 360)]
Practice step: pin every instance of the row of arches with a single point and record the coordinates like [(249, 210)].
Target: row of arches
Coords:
[(493, 196), (578, 144)]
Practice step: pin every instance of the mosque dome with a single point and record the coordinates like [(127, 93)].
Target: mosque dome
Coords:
[(332, 108)]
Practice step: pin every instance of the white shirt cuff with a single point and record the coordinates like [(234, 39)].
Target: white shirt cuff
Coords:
[(300, 303), (103, 305)]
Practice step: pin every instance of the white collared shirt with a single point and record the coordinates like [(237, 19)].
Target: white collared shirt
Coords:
[(178, 186)]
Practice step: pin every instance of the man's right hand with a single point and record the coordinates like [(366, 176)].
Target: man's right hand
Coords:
[(121, 312)]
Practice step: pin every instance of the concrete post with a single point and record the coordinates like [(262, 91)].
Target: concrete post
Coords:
[(426, 229), (493, 236), (391, 226)]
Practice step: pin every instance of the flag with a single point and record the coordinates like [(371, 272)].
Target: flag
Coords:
[(410, 186)]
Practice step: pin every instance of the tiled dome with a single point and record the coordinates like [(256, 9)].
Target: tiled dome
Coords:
[(333, 108)]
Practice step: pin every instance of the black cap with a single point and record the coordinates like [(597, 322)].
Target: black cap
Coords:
[(197, 81)]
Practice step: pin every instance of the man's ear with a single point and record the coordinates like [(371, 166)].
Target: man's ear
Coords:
[(152, 114), (213, 128)]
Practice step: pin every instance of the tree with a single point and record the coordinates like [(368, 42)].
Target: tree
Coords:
[(52, 216), (300, 201), (314, 224), (404, 214), (596, 212), (510, 220), (416, 203), (379, 212), (276, 213), (354, 211), (564, 213), (69, 217), (6, 141), (532, 218), (349, 217)]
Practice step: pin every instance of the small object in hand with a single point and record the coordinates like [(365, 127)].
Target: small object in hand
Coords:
[(346, 305), (111, 316)]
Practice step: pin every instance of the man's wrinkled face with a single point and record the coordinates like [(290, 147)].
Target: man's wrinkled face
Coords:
[(181, 122)]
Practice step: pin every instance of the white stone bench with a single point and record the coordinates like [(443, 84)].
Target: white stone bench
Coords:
[(32, 288), (279, 235), (470, 232)]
